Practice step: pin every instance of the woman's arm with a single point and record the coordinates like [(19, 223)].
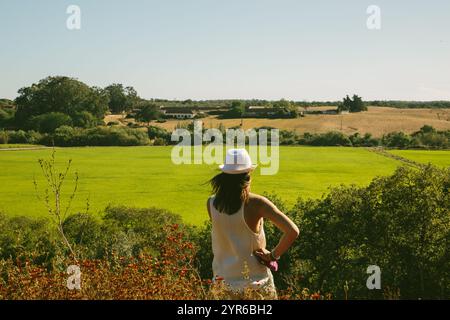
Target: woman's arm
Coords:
[(290, 231)]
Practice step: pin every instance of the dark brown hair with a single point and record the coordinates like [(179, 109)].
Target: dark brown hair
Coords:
[(231, 191)]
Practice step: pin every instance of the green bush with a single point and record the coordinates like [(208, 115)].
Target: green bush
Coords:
[(49, 122), (24, 238), (66, 136), (160, 136), (4, 137), (331, 138), (364, 141), (145, 225), (118, 232), (400, 223), (429, 137), (27, 137), (84, 119), (396, 140)]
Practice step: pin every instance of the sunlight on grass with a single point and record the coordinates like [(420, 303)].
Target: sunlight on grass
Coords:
[(145, 177)]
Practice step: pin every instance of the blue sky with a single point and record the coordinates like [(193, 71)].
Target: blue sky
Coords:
[(206, 49)]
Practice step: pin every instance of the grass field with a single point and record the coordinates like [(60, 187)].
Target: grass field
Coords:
[(436, 157), (145, 176)]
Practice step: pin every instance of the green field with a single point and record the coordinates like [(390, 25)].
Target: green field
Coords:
[(436, 157), (145, 176)]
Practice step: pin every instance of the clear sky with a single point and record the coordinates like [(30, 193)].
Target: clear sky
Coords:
[(207, 49)]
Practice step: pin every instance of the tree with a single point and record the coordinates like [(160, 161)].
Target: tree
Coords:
[(59, 94), (237, 109), (355, 105), (283, 104), (148, 112), (121, 98)]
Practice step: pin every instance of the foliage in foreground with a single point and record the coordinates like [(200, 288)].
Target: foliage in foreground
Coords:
[(169, 273), (400, 223)]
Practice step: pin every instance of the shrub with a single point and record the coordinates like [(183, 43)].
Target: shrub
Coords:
[(364, 141), (169, 276), (429, 137), (400, 223), (160, 135), (29, 137), (49, 122), (4, 138), (396, 140), (26, 239), (99, 136), (331, 138), (84, 119)]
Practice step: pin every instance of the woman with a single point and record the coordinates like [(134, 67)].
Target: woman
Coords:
[(238, 239)]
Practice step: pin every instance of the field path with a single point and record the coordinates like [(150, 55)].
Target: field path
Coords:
[(23, 149), (381, 151)]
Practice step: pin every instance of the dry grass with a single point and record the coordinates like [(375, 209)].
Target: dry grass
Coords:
[(377, 121)]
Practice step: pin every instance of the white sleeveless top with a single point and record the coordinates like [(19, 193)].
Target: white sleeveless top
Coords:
[(233, 244)]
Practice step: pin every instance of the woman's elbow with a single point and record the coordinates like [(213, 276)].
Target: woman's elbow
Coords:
[(295, 232)]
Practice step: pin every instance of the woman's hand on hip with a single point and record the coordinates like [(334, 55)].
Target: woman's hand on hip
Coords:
[(264, 254)]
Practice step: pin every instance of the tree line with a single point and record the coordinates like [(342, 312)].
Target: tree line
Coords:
[(56, 101)]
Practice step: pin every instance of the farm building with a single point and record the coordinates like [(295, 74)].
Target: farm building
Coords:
[(260, 111), (179, 113)]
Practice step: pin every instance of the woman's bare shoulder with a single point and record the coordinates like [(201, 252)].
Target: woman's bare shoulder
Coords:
[(258, 200)]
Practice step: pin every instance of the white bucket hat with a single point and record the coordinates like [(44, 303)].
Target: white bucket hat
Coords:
[(237, 161)]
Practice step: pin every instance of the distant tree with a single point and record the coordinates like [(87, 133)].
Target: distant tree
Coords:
[(237, 110), (282, 105), (148, 112), (121, 98), (353, 105), (59, 94), (357, 104), (285, 108)]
